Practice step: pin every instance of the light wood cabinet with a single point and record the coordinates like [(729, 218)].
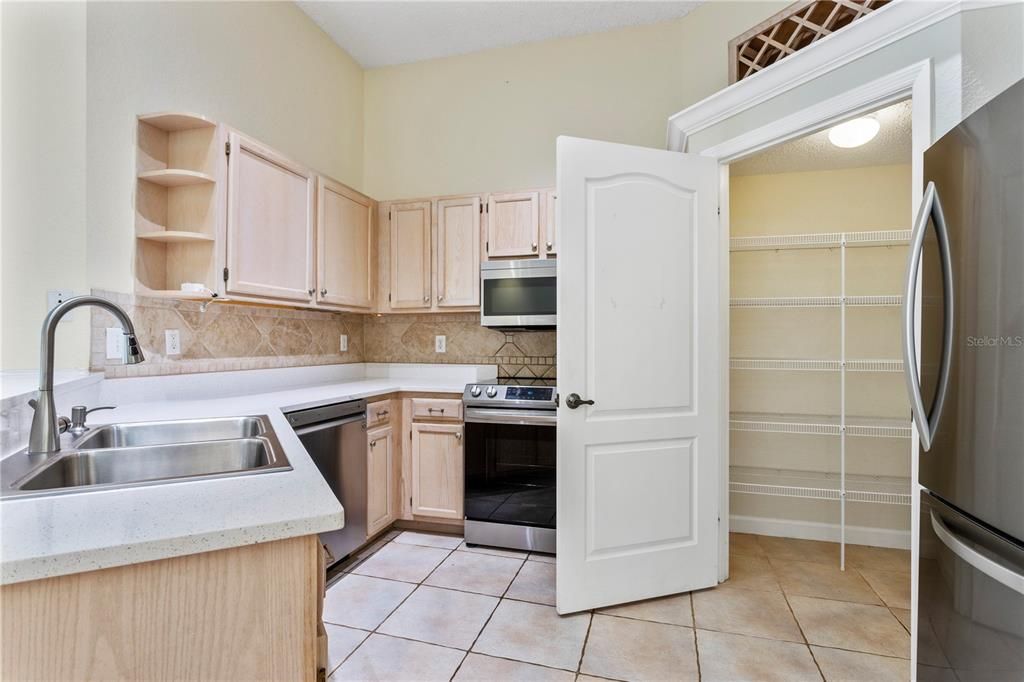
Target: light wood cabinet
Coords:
[(380, 474), (457, 255), (550, 223), (513, 225), (437, 470), (270, 227), (344, 246), (410, 226)]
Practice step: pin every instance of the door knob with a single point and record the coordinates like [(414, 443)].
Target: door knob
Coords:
[(574, 400)]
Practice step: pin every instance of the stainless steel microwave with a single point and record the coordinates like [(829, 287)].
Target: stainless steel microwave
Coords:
[(518, 293)]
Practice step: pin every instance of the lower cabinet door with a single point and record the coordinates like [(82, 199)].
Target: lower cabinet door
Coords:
[(380, 478), (437, 470)]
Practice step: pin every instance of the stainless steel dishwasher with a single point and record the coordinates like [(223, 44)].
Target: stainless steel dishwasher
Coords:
[(335, 438)]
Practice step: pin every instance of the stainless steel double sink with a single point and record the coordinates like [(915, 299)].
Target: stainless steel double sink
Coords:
[(148, 453)]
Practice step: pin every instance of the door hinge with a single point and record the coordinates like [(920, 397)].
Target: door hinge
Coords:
[(225, 275), (389, 214), (227, 149), (719, 210), (481, 208), (487, 247), (389, 298)]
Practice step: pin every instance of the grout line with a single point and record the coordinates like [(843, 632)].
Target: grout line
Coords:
[(586, 640), (693, 621), (800, 627)]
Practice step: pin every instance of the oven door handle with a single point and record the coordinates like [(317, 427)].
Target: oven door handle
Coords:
[(475, 415)]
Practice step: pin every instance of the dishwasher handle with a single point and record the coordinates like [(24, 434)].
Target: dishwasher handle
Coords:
[(313, 428)]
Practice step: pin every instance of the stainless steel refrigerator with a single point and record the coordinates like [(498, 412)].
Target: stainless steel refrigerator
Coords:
[(968, 399)]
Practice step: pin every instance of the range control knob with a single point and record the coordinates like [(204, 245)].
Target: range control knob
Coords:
[(474, 391), (492, 391)]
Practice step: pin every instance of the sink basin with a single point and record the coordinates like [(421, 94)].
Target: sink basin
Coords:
[(148, 453), (119, 466), (166, 432)]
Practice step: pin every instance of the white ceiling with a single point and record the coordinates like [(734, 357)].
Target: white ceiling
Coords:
[(814, 152), (386, 33)]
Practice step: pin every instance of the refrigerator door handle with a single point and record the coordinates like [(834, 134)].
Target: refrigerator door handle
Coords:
[(994, 570), (927, 423)]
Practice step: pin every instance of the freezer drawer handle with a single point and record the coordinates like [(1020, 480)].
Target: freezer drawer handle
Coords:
[(927, 423), (996, 571)]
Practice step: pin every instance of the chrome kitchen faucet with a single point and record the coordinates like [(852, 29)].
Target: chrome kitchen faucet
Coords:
[(45, 435)]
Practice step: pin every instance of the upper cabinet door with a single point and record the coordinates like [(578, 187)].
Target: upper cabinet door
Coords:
[(270, 223), (550, 222), (344, 236), (410, 255), (458, 252), (513, 225)]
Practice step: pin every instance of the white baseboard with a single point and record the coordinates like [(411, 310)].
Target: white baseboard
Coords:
[(813, 530)]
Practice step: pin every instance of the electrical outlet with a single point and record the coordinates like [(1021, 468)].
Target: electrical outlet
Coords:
[(343, 345), (115, 343), (440, 344), (55, 297), (172, 342)]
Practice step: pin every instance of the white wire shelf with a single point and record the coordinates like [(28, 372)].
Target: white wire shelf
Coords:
[(816, 365), (814, 301), (819, 493), (818, 425), (826, 240)]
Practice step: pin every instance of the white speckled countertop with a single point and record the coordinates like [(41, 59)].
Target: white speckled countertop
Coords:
[(69, 533)]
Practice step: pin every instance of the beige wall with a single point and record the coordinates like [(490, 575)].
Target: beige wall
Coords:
[(43, 242), (488, 121)]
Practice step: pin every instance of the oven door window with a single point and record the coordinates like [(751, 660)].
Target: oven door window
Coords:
[(520, 296), (510, 474)]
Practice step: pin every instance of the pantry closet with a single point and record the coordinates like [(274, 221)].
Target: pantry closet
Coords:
[(820, 435)]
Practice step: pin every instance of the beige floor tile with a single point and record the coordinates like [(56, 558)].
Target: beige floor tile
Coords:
[(388, 658), (396, 561), (479, 668), (493, 551), (535, 634), (892, 586), (793, 549), (745, 612), (878, 558), (438, 616), (627, 649), (473, 572), (411, 537), (341, 641), (590, 678), (674, 610), (928, 673), (808, 579), (745, 543), (850, 666), (535, 582), (725, 657), (903, 616), (546, 558), (361, 602), (858, 627), (752, 573)]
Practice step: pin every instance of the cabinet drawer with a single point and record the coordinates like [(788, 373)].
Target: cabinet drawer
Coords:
[(436, 408), (378, 413)]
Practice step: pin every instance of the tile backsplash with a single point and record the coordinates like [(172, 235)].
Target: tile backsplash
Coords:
[(228, 336)]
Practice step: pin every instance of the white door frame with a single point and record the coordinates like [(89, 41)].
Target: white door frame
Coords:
[(913, 82)]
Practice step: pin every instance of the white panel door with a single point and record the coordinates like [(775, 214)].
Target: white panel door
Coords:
[(638, 470)]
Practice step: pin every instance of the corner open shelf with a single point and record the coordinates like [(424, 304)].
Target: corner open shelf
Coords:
[(175, 177), (827, 240), (818, 425), (179, 203)]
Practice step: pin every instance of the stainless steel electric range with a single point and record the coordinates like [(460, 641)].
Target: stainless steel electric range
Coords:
[(510, 465)]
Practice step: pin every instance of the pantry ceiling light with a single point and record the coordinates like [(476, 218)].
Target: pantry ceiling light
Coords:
[(854, 133)]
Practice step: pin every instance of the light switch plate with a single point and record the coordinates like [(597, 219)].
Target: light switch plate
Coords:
[(343, 345), (55, 297), (440, 344), (115, 343), (172, 342)]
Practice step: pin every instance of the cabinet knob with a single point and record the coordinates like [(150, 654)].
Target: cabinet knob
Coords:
[(383, 413), (458, 436), (440, 299), (323, 292), (311, 291), (534, 246), (373, 443), (426, 299), (550, 246)]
